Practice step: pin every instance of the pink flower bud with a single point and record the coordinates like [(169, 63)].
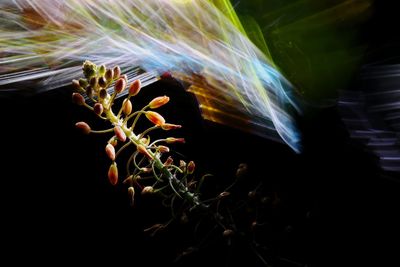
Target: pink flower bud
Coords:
[(147, 190), (119, 133), (135, 87), (117, 72), (78, 99), (171, 140), (120, 85), (142, 149), (158, 102), (163, 149), (127, 107), (155, 118), (190, 167), (110, 151), (131, 193), (84, 127), (98, 108), (113, 173), (169, 126)]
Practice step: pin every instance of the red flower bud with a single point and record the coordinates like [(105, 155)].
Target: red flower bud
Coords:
[(117, 72), (127, 107), (119, 133), (163, 149), (171, 140), (166, 75), (169, 126), (78, 99), (113, 173), (142, 149), (158, 102), (135, 87), (190, 167), (98, 108), (110, 150), (155, 118), (120, 85), (83, 126)]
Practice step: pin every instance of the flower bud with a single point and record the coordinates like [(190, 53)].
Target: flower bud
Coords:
[(89, 91), (98, 108), (169, 126), (228, 233), (102, 70), (182, 164), (171, 140), (76, 85), (109, 75), (125, 77), (155, 118), (128, 180), (190, 167), (83, 126), (146, 170), (117, 72), (102, 82), (110, 151), (120, 85), (135, 87), (158, 102), (166, 75), (224, 194), (169, 161), (78, 99), (145, 141), (89, 69), (103, 93), (113, 141), (93, 82), (119, 133), (113, 173), (163, 149), (127, 107), (142, 149), (83, 82), (147, 190), (131, 193)]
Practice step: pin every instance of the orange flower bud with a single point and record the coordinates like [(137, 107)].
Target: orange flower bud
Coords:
[(171, 140), (142, 149), (190, 167), (127, 107), (113, 173), (158, 102), (98, 108), (117, 72), (163, 149), (78, 99), (119, 133), (147, 190), (155, 118), (110, 150), (169, 126), (120, 85), (135, 87), (131, 193), (83, 126)]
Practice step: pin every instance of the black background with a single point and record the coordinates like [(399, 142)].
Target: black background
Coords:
[(59, 207)]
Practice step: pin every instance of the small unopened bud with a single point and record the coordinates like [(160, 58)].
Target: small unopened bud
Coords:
[(119, 133), (224, 194), (135, 87), (147, 190), (89, 91), (145, 141), (131, 193), (78, 99), (98, 108), (125, 77), (102, 82), (228, 233), (103, 93), (171, 140), (110, 151), (83, 126), (127, 107), (158, 102), (83, 82), (252, 194), (128, 180), (93, 82), (163, 149), (146, 170), (169, 161), (113, 173), (190, 167), (102, 70), (142, 149), (76, 85), (117, 72), (155, 118), (182, 164), (113, 141), (169, 126), (120, 85), (166, 75), (89, 69), (109, 75)]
